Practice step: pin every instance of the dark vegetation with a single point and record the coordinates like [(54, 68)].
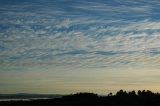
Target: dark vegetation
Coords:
[(121, 98)]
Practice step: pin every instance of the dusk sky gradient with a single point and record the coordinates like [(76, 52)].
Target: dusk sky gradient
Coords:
[(69, 46)]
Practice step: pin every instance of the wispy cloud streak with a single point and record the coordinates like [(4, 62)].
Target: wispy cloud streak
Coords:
[(67, 35)]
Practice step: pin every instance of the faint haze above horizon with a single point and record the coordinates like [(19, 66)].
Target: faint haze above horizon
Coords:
[(68, 46)]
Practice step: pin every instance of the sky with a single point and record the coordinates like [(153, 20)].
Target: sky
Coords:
[(69, 46)]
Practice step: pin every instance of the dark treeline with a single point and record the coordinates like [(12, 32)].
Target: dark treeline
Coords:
[(121, 98)]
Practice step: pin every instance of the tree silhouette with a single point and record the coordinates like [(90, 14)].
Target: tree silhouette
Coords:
[(121, 98)]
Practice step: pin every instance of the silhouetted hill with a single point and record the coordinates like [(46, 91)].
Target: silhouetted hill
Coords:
[(121, 98)]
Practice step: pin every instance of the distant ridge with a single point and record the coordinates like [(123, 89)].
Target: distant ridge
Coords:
[(29, 96)]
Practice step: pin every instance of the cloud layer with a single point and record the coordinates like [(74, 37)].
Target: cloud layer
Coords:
[(79, 35)]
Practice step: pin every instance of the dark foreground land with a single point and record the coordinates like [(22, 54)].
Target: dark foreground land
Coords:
[(122, 98)]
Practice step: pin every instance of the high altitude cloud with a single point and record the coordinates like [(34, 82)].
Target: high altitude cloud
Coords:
[(79, 35)]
